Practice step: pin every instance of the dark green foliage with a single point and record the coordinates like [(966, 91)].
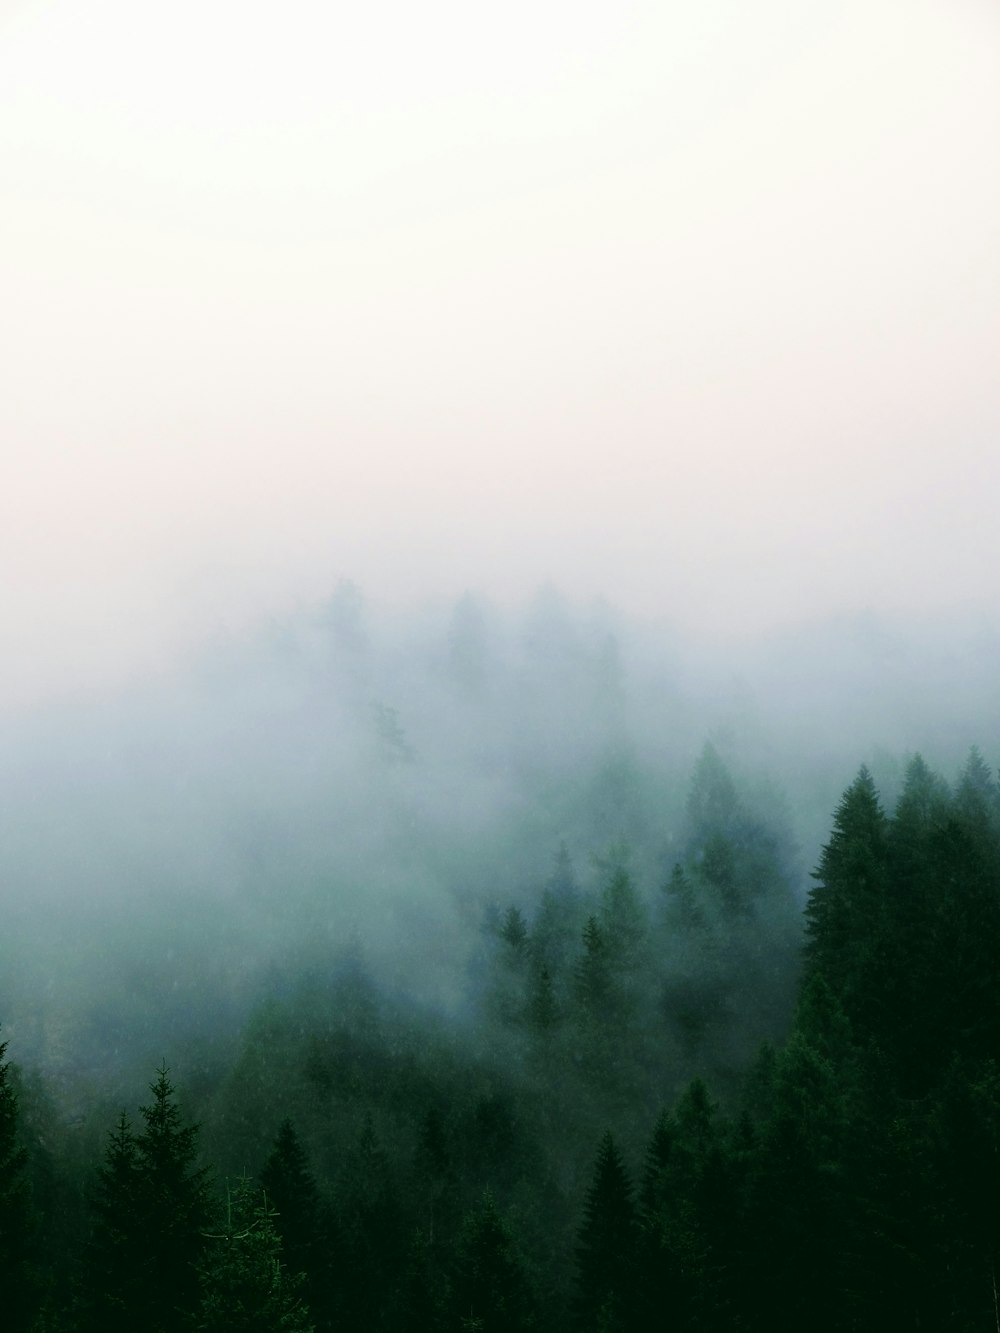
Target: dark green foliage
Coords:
[(607, 1247), (369, 1280), (245, 1287), (796, 1223), (850, 890), (298, 1215), (151, 1206), (688, 1206), (490, 1288), (16, 1280), (116, 1260)]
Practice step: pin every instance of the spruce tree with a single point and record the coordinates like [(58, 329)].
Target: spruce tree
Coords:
[(845, 912), (297, 1214), (489, 1281), (16, 1286), (115, 1259), (244, 1286), (607, 1247), (151, 1203), (174, 1206)]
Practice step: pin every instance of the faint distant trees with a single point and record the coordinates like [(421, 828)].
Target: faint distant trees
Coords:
[(467, 647), (393, 745)]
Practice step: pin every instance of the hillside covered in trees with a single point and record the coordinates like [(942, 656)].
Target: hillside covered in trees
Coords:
[(590, 1050)]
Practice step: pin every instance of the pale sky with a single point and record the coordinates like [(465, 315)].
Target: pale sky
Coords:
[(692, 305)]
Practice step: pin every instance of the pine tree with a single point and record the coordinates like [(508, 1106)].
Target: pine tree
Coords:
[(543, 1012), (593, 974), (16, 1285), (623, 919), (174, 1205), (796, 1226), (712, 804), (490, 1287), (371, 1274), (606, 1248), (684, 911), (151, 1204), (116, 1254), (663, 1284), (298, 1215), (244, 1287), (514, 932), (845, 912)]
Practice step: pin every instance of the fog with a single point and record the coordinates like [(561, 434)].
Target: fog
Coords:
[(688, 307), (466, 478), (348, 776)]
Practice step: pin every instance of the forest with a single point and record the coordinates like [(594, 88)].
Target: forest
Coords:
[(499, 976)]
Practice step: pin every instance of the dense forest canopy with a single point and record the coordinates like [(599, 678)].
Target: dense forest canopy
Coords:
[(500, 972)]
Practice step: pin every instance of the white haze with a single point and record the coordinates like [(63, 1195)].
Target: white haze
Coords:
[(687, 311), (690, 306)]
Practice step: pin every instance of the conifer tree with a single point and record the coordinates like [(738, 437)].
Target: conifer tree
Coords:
[(543, 1012), (490, 1286), (298, 1215), (372, 1272), (152, 1205), (683, 909), (593, 974), (244, 1287), (174, 1204), (606, 1247), (16, 1292), (845, 912), (796, 1223), (116, 1253), (623, 918)]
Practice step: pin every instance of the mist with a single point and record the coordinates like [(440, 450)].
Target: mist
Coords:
[(486, 500), (689, 310)]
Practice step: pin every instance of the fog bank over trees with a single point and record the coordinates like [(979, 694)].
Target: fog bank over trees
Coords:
[(343, 776)]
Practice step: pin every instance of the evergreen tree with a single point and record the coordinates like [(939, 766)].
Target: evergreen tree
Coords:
[(557, 923), (977, 797), (298, 1215), (623, 918), (490, 1286), (244, 1285), (712, 804), (116, 1254), (845, 912), (514, 932), (543, 1012), (593, 975), (606, 1248), (683, 910), (16, 1284), (174, 1202), (152, 1206), (795, 1261), (371, 1276)]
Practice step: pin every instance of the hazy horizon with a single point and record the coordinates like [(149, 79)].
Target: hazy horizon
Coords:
[(692, 308)]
